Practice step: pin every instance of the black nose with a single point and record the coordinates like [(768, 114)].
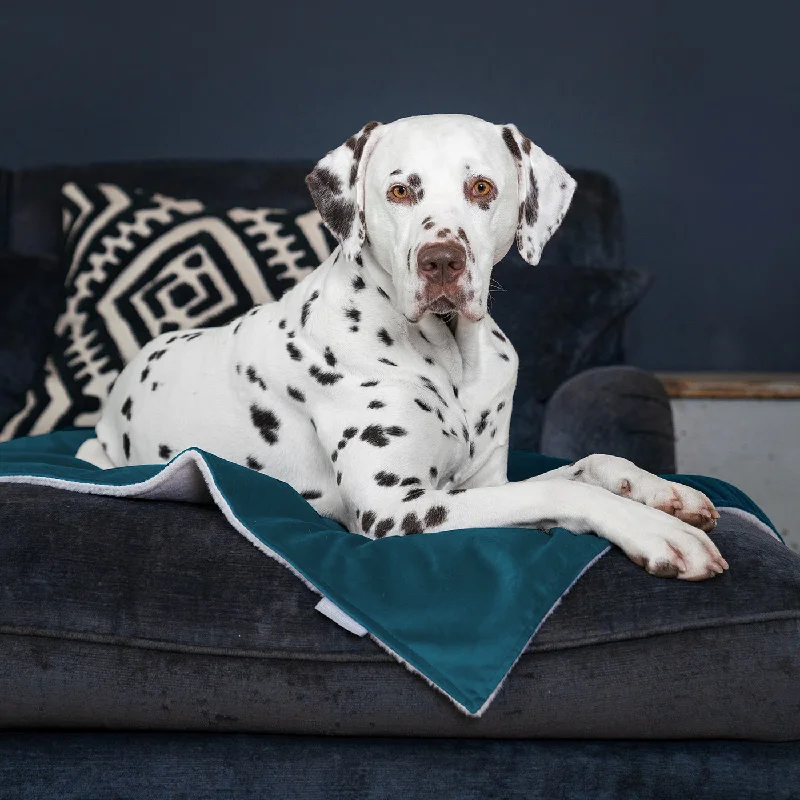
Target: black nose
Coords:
[(441, 262)]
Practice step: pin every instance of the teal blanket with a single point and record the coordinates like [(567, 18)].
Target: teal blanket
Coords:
[(457, 607)]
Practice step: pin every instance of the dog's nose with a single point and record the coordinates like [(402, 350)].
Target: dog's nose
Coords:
[(441, 262)]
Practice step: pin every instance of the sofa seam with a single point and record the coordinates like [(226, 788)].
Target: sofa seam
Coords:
[(380, 658)]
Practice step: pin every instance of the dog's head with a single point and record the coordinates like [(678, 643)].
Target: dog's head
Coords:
[(439, 200)]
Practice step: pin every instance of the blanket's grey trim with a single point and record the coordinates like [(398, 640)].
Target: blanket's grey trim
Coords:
[(335, 614), (752, 518)]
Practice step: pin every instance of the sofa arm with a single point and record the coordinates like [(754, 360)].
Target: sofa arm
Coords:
[(621, 411)]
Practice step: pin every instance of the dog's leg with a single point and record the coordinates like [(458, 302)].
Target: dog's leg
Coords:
[(384, 483), (624, 478)]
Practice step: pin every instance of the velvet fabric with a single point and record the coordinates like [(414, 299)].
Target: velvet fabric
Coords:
[(166, 618), (151, 766), (617, 409), (30, 295), (562, 320)]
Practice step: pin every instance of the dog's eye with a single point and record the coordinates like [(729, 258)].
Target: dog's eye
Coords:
[(481, 188), (399, 192)]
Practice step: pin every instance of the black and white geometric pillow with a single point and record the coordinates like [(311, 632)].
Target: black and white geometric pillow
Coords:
[(138, 265)]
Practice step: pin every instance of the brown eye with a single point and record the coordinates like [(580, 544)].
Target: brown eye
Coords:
[(399, 191), (481, 188)]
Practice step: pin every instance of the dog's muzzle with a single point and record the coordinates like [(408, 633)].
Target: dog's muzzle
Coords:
[(441, 265)]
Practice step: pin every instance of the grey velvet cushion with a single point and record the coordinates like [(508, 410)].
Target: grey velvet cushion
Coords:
[(154, 766), (158, 615)]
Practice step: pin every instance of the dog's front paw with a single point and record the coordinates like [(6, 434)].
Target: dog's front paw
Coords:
[(624, 478), (664, 545)]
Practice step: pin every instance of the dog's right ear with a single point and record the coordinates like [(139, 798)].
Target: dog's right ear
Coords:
[(337, 188)]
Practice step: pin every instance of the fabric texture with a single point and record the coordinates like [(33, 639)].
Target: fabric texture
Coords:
[(196, 621), (139, 265), (561, 320), (30, 294), (616, 409), (151, 766)]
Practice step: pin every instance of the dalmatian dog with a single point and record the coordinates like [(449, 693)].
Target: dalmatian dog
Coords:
[(379, 387)]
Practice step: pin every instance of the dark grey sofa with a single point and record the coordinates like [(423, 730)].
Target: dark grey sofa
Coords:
[(141, 662)]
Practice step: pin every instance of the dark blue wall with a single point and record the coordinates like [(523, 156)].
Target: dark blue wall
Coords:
[(692, 106)]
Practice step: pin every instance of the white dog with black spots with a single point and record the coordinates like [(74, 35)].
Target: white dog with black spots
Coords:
[(379, 387)]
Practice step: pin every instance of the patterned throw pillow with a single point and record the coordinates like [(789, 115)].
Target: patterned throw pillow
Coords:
[(138, 265)]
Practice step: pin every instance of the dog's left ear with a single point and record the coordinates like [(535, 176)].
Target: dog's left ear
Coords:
[(545, 192), (337, 188)]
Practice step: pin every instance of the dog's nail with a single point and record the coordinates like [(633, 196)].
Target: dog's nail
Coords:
[(715, 513), (625, 486)]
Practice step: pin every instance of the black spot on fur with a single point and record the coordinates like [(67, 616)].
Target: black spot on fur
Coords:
[(335, 455), (501, 405), (424, 406), (145, 373), (266, 422), (238, 325), (429, 360), (311, 495), (376, 404), (370, 383), (378, 436), (253, 377), (456, 491), (531, 205), (164, 452), (472, 449), (410, 481), (414, 181), (367, 519), (511, 143), (294, 351), (436, 515), (386, 361), (325, 378), (411, 524), (464, 432), (349, 433), (358, 283), (126, 445), (383, 527), (503, 356), (455, 391), (383, 478), (296, 394), (499, 336), (154, 386), (413, 494), (383, 294), (338, 212), (155, 355), (439, 415), (330, 358), (434, 473), (307, 307), (254, 463), (353, 314), (127, 407), (383, 336), (480, 425), (338, 478), (342, 443), (282, 324), (238, 369)]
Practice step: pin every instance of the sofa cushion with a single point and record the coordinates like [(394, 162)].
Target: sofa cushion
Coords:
[(208, 766), (141, 264), (139, 625), (30, 294), (562, 320)]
